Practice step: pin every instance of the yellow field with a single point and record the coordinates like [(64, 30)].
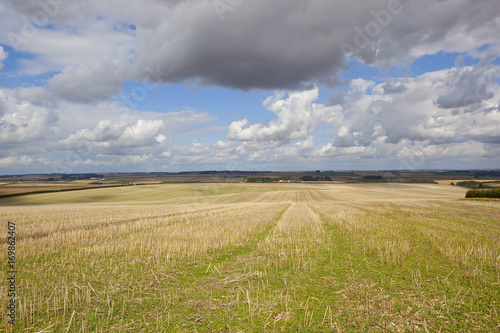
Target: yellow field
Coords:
[(447, 182), (255, 258), (193, 194)]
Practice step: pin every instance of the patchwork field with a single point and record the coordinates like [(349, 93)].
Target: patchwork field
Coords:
[(254, 258)]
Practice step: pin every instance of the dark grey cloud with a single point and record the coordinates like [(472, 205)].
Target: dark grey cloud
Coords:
[(337, 98), (261, 44), (289, 44), (264, 44), (394, 86)]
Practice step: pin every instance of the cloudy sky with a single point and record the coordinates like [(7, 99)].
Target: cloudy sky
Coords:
[(174, 85)]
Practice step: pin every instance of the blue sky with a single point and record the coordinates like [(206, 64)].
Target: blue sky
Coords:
[(101, 86)]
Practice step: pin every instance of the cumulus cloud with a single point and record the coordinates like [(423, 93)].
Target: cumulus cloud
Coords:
[(415, 109), (107, 134), (468, 149), (278, 44), (90, 83), (296, 117), (90, 53), (221, 155), (23, 123), (252, 47), (21, 160), (60, 34), (39, 96), (369, 118), (134, 133), (72, 136), (471, 85)]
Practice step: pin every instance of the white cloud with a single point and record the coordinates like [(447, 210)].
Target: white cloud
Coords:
[(135, 159), (38, 96), (469, 150), (23, 123), (160, 138), (166, 154), (397, 118), (90, 83), (73, 136), (296, 117), (68, 43), (3, 56), (436, 106), (15, 161), (92, 54), (471, 85), (107, 134), (131, 131)]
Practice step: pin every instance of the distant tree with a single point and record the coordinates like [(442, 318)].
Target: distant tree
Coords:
[(492, 193)]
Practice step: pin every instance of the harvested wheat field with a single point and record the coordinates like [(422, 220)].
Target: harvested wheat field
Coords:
[(255, 258)]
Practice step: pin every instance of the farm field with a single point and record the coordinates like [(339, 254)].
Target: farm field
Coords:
[(27, 187), (255, 258)]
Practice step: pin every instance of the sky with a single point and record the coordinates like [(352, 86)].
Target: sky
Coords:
[(279, 85)]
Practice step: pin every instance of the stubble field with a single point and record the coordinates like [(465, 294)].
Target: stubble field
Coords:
[(254, 258)]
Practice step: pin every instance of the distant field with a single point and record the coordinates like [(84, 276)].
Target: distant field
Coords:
[(255, 258), (41, 184), (28, 187)]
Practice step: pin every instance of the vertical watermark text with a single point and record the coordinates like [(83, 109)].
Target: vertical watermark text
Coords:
[(11, 273)]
